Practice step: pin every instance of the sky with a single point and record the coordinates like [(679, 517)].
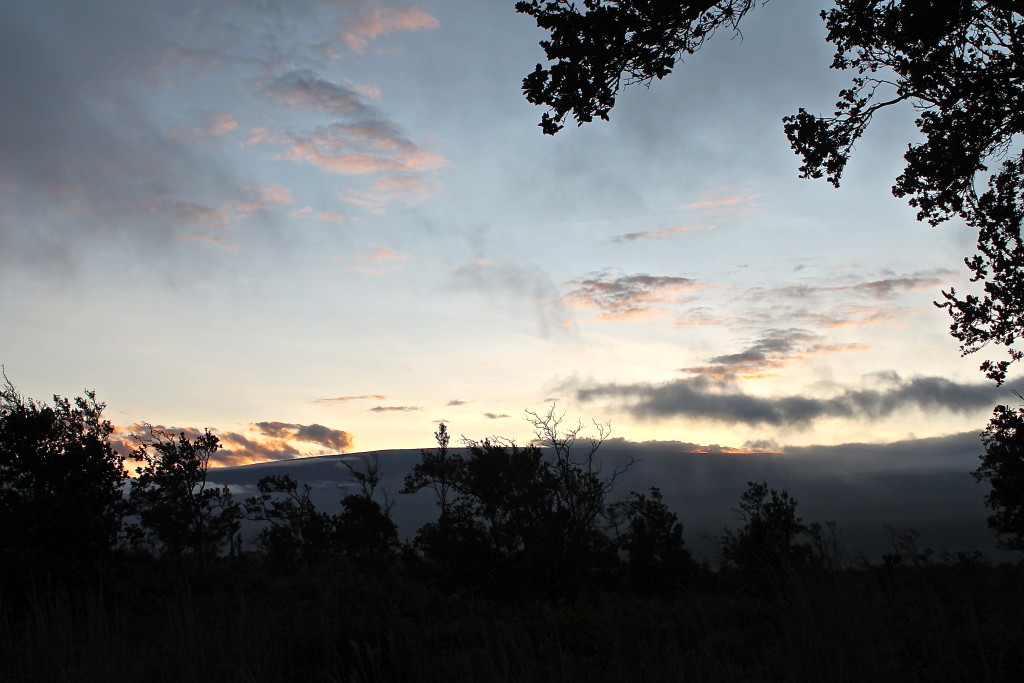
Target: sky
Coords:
[(324, 226)]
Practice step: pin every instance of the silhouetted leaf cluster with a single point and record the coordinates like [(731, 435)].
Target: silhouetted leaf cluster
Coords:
[(957, 62)]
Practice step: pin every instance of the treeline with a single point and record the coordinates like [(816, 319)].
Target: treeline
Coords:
[(535, 520), (526, 539)]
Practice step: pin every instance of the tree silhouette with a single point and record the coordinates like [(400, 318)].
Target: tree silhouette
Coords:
[(1003, 466), (180, 512), (958, 62), (61, 500)]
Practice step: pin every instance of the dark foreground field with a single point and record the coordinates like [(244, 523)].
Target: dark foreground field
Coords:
[(239, 622)]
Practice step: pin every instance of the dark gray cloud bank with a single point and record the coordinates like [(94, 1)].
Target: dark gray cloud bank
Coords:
[(920, 483), (696, 398)]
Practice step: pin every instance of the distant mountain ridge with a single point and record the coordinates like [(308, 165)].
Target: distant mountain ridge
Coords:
[(924, 483)]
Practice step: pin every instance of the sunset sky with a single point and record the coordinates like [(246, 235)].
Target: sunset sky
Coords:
[(317, 226)]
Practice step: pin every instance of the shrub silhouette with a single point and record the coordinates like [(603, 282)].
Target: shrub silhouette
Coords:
[(529, 520), (298, 534), (658, 559), (767, 545)]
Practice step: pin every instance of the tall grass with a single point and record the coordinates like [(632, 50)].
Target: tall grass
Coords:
[(338, 624)]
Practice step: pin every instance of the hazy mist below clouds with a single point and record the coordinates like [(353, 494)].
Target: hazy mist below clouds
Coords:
[(924, 484)]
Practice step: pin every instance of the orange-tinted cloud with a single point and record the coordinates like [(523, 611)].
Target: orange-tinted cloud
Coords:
[(313, 433), (358, 31), (394, 409)]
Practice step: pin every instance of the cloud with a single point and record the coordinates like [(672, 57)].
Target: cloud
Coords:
[(456, 402), (262, 197), (345, 399), (363, 148), (358, 31), (360, 141), (771, 352), (313, 433), (384, 255), (241, 450), (76, 115), (404, 189), (522, 282), (725, 203), (212, 124), (495, 416), (333, 217), (329, 216), (698, 317), (656, 234), (236, 449), (394, 409), (882, 288), (303, 89), (696, 398), (628, 297)]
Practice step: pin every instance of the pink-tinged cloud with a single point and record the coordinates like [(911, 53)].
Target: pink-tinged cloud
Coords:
[(329, 216), (767, 355), (862, 316), (187, 213), (346, 399), (403, 160), (358, 31), (628, 297), (212, 124), (382, 255), (370, 91), (629, 315), (358, 150), (354, 164), (303, 89), (333, 217), (657, 234), (394, 409), (264, 197), (725, 203), (406, 190), (699, 317)]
